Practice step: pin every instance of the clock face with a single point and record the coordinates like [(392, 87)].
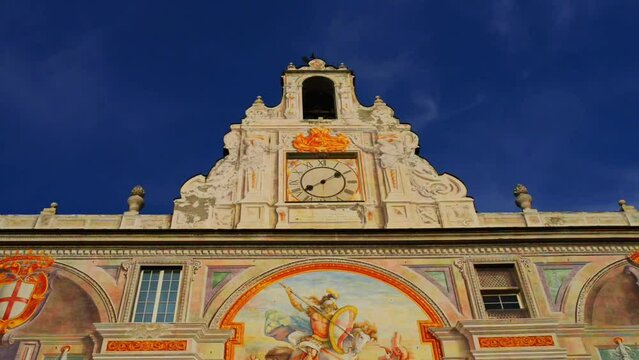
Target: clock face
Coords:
[(329, 178)]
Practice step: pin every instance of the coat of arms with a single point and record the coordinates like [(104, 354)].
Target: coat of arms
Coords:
[(23, 288)]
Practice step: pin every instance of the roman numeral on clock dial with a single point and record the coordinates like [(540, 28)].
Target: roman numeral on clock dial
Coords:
[(323, 180)]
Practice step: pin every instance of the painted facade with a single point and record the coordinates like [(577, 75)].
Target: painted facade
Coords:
[(321, 235)]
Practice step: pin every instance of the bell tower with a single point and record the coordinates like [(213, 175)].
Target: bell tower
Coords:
[(320, 159)]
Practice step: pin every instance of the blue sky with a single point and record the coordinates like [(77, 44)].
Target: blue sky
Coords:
[(96, 97)]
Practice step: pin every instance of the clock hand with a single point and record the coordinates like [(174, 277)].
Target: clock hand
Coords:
[(323, 181)]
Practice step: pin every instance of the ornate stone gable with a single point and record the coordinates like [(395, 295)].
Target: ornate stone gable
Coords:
[(319, 115)]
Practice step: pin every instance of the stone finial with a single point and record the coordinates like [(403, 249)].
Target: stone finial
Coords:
[(136, 200), (51, 210), (522, 198), (378, 100), (291, 66), (258, 101), (623, 206), (342, 66)]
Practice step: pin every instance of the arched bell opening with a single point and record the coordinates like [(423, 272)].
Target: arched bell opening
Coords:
[(318, 98)]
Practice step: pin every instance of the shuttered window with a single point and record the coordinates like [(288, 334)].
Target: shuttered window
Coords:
[(500, 291)]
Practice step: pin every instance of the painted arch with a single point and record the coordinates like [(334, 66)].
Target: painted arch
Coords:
[(263, 310)]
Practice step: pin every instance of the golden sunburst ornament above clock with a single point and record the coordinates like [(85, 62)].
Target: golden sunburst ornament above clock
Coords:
[(321, 140)]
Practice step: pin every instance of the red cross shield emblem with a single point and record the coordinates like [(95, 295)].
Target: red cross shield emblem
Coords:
[(23, 288)]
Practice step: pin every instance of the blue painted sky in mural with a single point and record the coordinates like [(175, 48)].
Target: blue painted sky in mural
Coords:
[(98, 97), (368, 295)]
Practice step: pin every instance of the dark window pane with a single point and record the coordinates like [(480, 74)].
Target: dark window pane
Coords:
[(511, 306), (493, 306), (509, 298), (491, 298)]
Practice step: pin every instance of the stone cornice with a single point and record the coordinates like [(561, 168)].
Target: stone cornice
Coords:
[(377, 237), (233, 252)]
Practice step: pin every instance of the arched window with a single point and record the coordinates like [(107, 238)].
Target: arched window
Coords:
[(318, 98)]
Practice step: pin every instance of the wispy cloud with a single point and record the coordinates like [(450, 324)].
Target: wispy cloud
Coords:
[(504, 17), (356, 41), (477, 101), (427, 108)]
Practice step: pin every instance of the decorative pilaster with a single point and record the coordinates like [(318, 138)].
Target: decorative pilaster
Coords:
[(257, 195)]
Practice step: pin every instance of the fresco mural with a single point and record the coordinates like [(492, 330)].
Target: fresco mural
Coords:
[(620, 353), (332, 315)]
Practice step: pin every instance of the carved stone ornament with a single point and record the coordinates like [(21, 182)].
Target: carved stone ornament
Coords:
[(125, 266), (255, 148), (200, 194), (460, 264), (258, 110), (317, 64), (382, 113), (428, 214), (222, 179), (226, 252), (345, 93), (148, 331), (136, 200), (623, 206), (321, 140), (395, 149), (425, 181), (522, 198)]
